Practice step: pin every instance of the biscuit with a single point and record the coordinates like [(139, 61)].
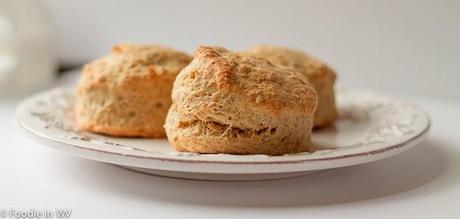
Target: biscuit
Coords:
[(319, 74), (128, 92), (224, 102)]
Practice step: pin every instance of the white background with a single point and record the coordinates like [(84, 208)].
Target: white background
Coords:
[(405, 46)]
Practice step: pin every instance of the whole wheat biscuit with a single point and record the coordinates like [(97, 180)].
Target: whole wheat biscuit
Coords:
[(224, 102), (128, 92), (319, 74)]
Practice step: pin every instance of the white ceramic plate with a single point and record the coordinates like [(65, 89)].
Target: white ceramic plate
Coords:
[(370, 127)]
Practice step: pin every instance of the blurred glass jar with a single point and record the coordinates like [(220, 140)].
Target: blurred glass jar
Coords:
[(27, 59)]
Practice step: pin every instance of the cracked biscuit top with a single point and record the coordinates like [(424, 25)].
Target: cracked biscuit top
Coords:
[(134, 61), (242, 91), (299, 61)]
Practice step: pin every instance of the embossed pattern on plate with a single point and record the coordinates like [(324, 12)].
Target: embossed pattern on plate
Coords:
[(370, 127)]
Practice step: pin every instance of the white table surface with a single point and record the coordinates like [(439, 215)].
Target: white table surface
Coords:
[(423, 182)]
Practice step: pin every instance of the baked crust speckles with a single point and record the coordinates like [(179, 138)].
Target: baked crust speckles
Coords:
[(127, 92), (319, 74), (225, 102)]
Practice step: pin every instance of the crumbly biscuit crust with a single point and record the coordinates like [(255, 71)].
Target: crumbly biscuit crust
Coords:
[(127, 92), (225, 102), (319, 74)]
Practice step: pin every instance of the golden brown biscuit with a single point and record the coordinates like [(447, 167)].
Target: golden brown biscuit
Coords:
[(319, 74), (128, 92), (227, 103)]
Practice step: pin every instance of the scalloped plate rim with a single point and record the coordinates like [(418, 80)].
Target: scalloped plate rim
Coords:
[(122, 159)]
